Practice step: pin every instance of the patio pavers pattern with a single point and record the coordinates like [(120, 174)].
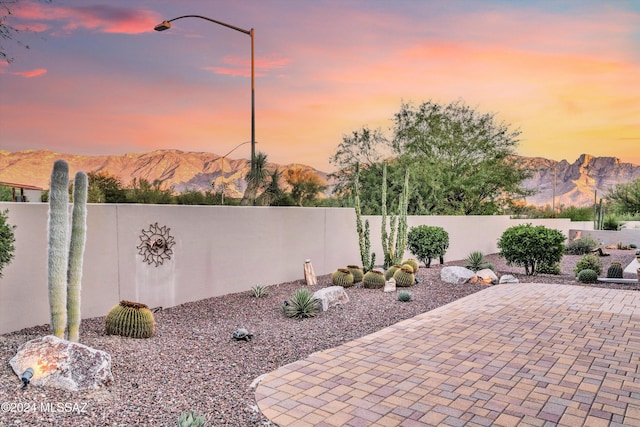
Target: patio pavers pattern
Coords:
[(511, 355)]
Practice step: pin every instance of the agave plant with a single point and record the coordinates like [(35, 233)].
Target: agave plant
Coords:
[(259, 291), (191, 419), (301, 304), (476, 261), (404, 296)]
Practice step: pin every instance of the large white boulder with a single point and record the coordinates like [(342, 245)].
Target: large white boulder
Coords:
[(63, 364), (331, 296), (487, 275), (508, 279), (456, 275)]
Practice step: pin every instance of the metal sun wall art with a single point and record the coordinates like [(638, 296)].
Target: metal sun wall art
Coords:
[(155, 244)]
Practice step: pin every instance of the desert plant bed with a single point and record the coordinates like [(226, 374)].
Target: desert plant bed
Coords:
[(192, 362)]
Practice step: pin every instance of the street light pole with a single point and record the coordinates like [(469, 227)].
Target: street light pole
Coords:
[(222, 165), (165, 25)]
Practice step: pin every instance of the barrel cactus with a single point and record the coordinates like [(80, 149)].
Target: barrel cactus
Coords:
[(588, 276), (373, 279), (413, 263), (356, 272), (391, 271), (404, 276), (342, 277), (615, 271), (130, 319)]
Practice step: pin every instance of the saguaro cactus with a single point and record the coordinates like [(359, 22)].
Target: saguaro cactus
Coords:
[(66, 253), (58, 250), (76, 253)]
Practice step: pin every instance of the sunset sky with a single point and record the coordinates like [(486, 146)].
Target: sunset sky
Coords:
[(98, 79)]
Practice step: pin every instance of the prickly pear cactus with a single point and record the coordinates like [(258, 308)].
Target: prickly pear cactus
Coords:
[(404, 277), (342, 277), (130, 319), (373, 279), (356, 272)]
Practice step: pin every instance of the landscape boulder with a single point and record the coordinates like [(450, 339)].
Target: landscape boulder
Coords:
[(487, 276), (507, 279), (331, 296), (456, 275), (63, 364), (390, 285)]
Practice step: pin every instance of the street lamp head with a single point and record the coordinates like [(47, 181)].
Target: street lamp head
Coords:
[(165, 25)]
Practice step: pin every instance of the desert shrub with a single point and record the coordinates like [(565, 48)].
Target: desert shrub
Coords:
[(611, 223), (6, 240), (529, 247), (587, 276), (302, 304), (427, 242), (589, 262), (476, 261), (581, 246), (545, 268)]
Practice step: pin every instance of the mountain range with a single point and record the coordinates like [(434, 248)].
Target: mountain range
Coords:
[(576, 184)]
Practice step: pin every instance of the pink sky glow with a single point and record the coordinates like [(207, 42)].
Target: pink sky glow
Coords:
[(97, 79)]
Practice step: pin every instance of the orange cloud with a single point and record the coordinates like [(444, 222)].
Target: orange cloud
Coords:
[(100, 18)]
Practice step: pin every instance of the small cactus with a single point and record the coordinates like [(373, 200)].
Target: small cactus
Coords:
[(356, 272), (191, 419), (615, 271), (391, 271), (130, 319), (404, 296), (259, 291), (588, 276), (373, 279), (413, 263), (404, 277), (342, 277)]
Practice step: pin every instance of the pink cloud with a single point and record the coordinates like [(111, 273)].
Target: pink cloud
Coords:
[(31, 73), (241, 67), (100, 18)]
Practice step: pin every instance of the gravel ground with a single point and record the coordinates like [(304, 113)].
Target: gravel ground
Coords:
[(192, 363)]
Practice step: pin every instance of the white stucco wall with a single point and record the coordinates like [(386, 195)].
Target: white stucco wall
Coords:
[(218, 250)]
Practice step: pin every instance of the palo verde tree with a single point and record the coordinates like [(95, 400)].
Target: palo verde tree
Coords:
[(305, 185), (463, 159), (625, 197)]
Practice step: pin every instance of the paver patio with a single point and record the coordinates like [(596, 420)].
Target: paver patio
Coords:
[(511, 355)]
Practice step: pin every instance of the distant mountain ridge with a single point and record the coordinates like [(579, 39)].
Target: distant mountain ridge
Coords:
[(575, 182)]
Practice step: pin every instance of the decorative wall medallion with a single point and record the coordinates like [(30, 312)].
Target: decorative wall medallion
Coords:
[(155, 245)]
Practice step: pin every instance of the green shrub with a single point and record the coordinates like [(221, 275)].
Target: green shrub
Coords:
[(587, 276), (529, 247), (302, 304), (633, 245), (6, 240), (476, 261), (544, 268), (611, 223), (404, 296), (427, 242), (589, 262), (581, 246)]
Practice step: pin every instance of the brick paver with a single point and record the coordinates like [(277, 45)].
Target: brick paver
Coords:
[(511, 355)]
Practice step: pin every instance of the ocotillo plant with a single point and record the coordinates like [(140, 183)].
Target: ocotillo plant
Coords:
[(58, 250), (76, 254)]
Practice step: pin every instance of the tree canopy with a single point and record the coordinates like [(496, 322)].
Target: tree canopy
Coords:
[(625, 197), (460, 161)]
